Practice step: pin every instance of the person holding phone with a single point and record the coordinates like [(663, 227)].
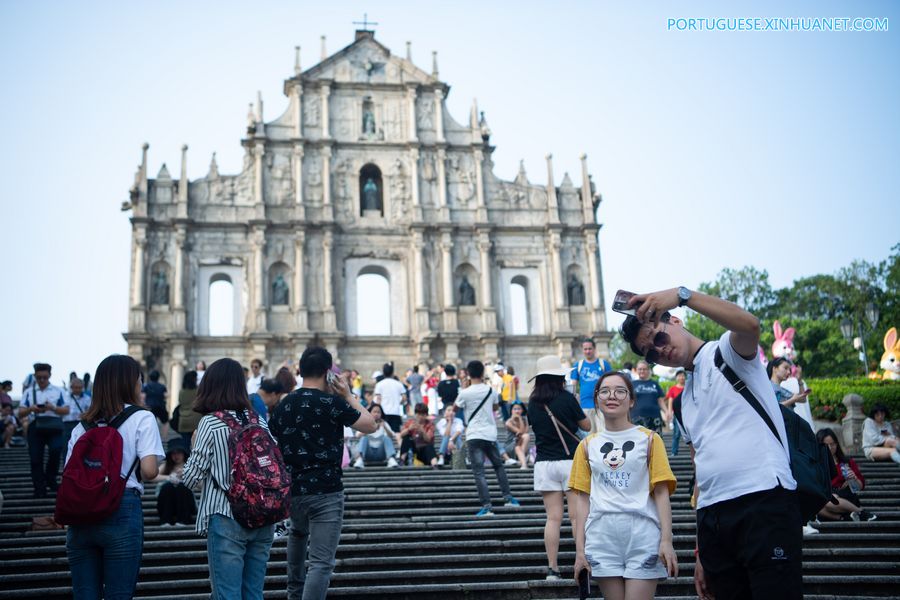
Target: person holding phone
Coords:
[(44, 405), (779, 370)]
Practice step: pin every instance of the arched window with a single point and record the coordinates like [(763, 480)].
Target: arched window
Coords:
[(519, 309), (373, 303), (221, 305), (371, 190)]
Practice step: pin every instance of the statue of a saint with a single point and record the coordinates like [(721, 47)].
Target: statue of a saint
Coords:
[(280, 292), (368, 121), (575, 291), (159, 290), (370, 195), (466, 292)]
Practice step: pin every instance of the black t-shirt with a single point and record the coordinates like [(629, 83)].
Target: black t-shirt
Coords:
[(154, 394), (309, 426), (568, 412), (448, 390)]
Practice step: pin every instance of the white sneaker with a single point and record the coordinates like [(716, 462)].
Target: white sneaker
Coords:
[(392, 463), (808, 530), (440, 460), (359, 464), (511, 462)]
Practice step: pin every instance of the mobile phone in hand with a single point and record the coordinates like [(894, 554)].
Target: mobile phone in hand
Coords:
[(620, 303), (584, 584)]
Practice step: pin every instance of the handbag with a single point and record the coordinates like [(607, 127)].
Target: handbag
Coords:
[(46, 423)]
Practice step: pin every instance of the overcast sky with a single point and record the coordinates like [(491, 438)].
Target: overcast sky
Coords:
[(711, 149)]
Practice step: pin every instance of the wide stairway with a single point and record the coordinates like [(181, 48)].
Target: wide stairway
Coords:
[(411, 533)]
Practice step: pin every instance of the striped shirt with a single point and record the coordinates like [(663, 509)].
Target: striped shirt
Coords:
[(210, 464)]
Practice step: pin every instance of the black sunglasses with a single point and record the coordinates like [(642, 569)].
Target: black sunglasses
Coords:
[(659, 340)]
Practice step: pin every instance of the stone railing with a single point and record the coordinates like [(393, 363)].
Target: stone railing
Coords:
[(853, 423)]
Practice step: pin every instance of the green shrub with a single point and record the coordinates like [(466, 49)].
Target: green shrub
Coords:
[(826, 399)]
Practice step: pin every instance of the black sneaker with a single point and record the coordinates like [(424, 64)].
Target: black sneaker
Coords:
[(552, 575), (865, 515)]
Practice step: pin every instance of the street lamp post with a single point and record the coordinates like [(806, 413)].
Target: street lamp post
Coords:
[(847, 330)]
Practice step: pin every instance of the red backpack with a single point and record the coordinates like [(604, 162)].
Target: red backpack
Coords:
[(260, 492), (92, 483)]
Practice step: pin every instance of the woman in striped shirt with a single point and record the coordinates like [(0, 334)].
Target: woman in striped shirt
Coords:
[(237, 555)]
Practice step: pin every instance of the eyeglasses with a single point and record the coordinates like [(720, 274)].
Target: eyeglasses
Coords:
[(618, 393), (42, 377), (660, 340)]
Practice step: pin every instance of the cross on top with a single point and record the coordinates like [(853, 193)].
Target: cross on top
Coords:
[(365, 22)]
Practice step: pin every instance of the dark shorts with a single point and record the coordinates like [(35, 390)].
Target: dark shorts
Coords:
[(846, 494), (751, 546), (160, 413)]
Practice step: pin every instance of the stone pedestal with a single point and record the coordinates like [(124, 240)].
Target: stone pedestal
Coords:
[(853, 423), (451, 320)]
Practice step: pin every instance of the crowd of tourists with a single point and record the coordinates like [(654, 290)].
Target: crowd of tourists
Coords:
[(266, 456)]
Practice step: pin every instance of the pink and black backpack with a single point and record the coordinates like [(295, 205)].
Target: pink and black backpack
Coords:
[(260, 492)]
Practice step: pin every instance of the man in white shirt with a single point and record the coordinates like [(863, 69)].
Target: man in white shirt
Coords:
[(478, 401), (78, 403), (749, 526), (44, 406), (389, 394), (256, 376)]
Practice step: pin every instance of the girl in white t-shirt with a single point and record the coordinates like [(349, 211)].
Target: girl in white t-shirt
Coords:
[(623, 518), (105, 558)]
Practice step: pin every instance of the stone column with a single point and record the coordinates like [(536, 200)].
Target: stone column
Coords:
[(450, 321), (414, 183), (178, 284), (593, 287), (326, 183), (259, 277), (326, 126), (489, 315), (587, 201), (411, 109), (176, 374), (418, 283), (298, 110), (479, 186), (442, 184), (328, 299), (439, 114), (552, 201), (560, 312), (137, 268), (181, 209), (297, 163), (259, 150), (299, 296), (852, 424)]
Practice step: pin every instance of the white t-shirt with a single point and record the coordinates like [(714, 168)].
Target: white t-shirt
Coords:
[(253, 384), (140, 438), (391, 392), (376, 439), (736, 453), (77, 406), (455, 429), (482, 426)]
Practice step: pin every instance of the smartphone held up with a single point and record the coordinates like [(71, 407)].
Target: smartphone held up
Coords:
[(620, 303)]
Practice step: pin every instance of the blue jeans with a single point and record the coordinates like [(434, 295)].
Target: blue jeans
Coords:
[(478, 450), (387, 449), (316, 521), (445, 443), (237, 558), (676, 438), (37, 440), (105, 558)]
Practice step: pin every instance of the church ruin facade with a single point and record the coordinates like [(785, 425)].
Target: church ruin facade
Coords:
[(365, 173)]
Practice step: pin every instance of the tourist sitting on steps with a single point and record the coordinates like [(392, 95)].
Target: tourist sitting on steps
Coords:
[(417, 438), (451, 429), (846, 485), (376, 446), (518, 435), (175, 502), (879, 441)]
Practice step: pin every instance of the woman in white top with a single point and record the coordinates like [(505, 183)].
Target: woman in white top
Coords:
[(878, 440), (623, 518), (105, 558), (237, 554)]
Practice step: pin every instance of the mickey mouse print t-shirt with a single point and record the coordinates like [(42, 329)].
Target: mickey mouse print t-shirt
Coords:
[(612, 467), (309, 426)]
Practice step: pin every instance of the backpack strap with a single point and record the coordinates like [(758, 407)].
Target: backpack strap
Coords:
[(123, 416), (477, 408), (741, 388)]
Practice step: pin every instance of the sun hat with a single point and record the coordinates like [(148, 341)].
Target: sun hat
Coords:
[(177, 445), (550, 365)]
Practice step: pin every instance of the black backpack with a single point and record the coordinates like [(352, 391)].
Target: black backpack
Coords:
[(811, 463)]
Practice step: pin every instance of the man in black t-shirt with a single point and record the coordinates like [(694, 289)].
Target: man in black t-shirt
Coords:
[(155, 399), (309, 426), (448, 389)]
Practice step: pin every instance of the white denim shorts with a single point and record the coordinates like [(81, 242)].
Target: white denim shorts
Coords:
[(624, 545), (552, 475)]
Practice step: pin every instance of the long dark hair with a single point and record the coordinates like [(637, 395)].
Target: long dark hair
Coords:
[(115, 384), (189, 381), (546, 388), (223, 388), (828, 432)]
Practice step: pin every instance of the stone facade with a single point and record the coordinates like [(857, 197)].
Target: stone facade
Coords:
[(365, 172)]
